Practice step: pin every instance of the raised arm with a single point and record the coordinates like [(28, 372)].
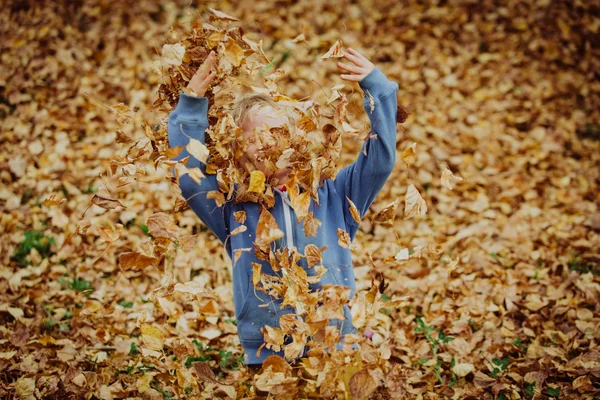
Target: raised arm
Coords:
[(189, 120), (362, 180)]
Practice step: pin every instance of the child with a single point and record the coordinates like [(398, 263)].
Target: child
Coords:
[(360, 182)]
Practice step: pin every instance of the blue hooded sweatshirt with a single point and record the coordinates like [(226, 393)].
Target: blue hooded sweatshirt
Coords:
[(360, 181)]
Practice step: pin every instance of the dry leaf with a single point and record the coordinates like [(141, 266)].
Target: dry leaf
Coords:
[(161, 226), (152, 337), (409, 154), (354, 211), (257, 182), (334, 51), (448, 179), (106, 202), (343, 238), (136, 261), (238, 230), (414, 205)]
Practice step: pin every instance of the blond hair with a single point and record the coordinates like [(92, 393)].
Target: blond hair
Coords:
[(249, 102)]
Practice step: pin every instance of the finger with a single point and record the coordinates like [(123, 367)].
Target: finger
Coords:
[(208, 80), (350, 68), (206, 65), (353, 78), (357, 61), (356, 53)]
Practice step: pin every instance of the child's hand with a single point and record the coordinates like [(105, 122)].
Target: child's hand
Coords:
[(204, 76), (359, 70)]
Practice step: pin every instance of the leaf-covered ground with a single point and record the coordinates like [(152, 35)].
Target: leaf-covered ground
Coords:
[(502, 274)]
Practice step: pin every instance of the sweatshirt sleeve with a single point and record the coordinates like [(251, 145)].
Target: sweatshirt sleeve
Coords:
[(362, 180), (189, 119)]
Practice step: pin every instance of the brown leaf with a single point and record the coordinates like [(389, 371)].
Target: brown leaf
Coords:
[(52, 200), (267, 229), (239, 216), (334, 51), (161, 226), (354, 211), (311, 225), (343, 238), (401, 115), (217, 196), (106, 202), (135, 261), (313, 255), (388, 213), (362, 384)]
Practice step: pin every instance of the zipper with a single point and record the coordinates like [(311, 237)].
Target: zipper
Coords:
[(289, 234)]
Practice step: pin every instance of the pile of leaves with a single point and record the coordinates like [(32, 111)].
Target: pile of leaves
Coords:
[(112, 288)]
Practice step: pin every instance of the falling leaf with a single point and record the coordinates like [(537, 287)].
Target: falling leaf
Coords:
[(401, 115), (239, 216), (106, 202), (257, 182), (414, 204), (217, 196), (334, 51), (409, 154), (402, 255), (448, 179), (354, 211), (173, 53), (161, 226), (343, 238), (306, 124), (311, 225), (388, 213), (238, 230), (198, 150), (267, 229), (52, 200), (135, 261), (313, 255), (220, 15)]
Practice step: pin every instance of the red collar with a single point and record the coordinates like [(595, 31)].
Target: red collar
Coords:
[(283, 188)]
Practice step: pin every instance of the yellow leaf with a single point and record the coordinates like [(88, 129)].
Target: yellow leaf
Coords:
[(152, 337), (334, 51), (25, 387), (239, 216), (198, 150), (257, 182), (313, 255), (409, 154), (354, 211), (267, 229)]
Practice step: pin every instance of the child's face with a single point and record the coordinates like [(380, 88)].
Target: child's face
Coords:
[(254, 151)]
